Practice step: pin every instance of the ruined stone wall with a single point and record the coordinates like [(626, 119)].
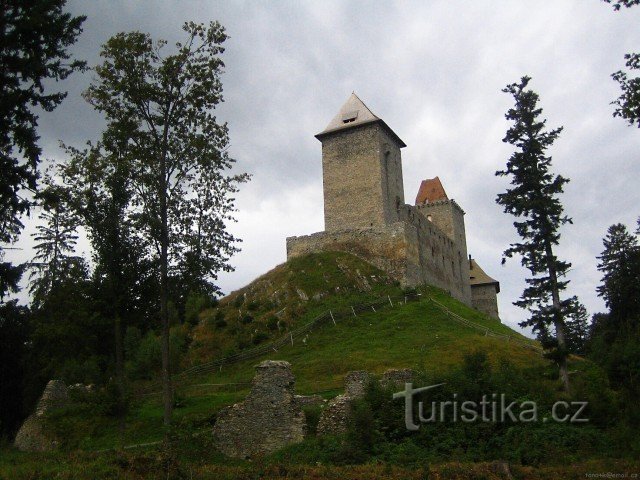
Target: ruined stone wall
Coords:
[(485, 300), (446, 217), (32, 436), (362, 178), (268, 419)]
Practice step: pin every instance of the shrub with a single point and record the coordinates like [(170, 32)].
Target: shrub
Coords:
[(132, 339), (194, 305), (272, 323), (247, 319), (253, 306), (259, 338), (238, 301)]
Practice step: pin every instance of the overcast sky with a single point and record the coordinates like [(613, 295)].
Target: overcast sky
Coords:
[(434, 72)]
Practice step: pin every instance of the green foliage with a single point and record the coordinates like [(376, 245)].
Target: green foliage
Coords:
[(34, 42), (253, 306), (147, 359), (534, 198), (246, 319), (196, 303), (272, 323), (260, 337), (15, 331), (132, 340), (238, 301)]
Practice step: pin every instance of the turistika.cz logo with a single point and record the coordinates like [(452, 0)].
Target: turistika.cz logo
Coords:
[(492, 408)]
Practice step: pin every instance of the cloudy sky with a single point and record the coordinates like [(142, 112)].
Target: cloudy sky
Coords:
[(434, 72)]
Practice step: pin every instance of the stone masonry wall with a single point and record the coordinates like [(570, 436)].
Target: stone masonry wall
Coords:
[(383, 246), (362, 178), (268, 419), (413, 253), (485, 300)]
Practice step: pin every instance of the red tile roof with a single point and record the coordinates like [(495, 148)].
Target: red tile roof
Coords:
[(431, 190)]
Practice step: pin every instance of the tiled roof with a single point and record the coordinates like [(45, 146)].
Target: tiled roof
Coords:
[(431, 190), (353, 114)]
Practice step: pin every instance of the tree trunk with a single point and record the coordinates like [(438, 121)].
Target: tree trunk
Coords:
[(120, 369), (558, 321), (164, 314)]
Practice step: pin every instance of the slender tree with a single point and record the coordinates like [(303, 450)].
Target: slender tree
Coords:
[(578, 330), (534, 198), (177, 150), (34, 41), (56, 239), (99, 183)]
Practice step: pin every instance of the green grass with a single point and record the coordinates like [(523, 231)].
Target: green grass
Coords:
[(417, 335)]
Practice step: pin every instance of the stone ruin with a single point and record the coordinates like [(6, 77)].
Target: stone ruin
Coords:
[(336, 416), (270, 418), (32, 436), (397, 377)]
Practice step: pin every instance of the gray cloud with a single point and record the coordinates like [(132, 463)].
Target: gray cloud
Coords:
[(433, 71)]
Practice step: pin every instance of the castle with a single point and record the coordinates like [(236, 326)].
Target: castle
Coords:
[(365, 213)]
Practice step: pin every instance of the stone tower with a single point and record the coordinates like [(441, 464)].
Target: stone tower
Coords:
[(362, 169), (434, 204)]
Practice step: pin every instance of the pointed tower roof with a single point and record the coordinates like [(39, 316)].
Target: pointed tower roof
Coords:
[(431, 190), (477, 276), (352, 114)]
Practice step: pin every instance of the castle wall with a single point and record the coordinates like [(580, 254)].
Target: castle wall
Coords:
[(413, 251), (362, 178), (484, 299), (448, 217), (384, 246)]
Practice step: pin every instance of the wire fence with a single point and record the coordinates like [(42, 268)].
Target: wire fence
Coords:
[(327, 317), (290, 337), (487, 332)]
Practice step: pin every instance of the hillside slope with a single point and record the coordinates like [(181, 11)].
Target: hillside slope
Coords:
[(422, 334)]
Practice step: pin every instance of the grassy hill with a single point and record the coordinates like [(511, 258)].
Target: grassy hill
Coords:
[(433, 337)]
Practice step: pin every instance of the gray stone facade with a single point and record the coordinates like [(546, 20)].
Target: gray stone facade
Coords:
[(268, 419), (397, 377), (484, 299)]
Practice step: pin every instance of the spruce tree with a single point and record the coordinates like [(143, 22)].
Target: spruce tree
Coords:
[(34, 41), (533, 198), (628, 103), (620, 287)]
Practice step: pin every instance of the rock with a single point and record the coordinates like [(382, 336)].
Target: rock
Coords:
[(309, 400), (396, 378), (355, 383), (267, 420), (303, 296), (335, 418), (32, 436)]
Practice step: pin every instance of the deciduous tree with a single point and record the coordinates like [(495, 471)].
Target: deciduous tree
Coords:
[(163, 106)]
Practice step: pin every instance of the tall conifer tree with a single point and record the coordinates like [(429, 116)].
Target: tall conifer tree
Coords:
[(533, 198)]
